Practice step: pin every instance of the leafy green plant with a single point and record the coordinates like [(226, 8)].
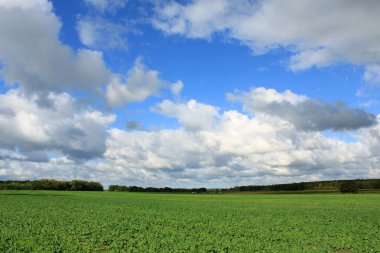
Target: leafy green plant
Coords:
[(67, 221)]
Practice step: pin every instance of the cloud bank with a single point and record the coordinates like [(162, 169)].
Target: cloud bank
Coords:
[(225, 148), (212, 147)]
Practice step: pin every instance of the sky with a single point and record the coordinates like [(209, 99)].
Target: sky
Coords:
[(200, 93)]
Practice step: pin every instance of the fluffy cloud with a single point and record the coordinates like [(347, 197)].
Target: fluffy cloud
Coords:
[(139, 83), (32, 55), (92, 30), (198, 19), (234, 149), (329, 31), (218, 148), (276, 138), (212, 147), (62, 127), (192, 115), (304, 113)]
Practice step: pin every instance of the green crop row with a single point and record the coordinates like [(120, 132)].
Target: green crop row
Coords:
[(43, 221)]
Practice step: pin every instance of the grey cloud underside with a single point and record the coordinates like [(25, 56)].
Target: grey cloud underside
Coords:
[(32, 55), (63, 128), (237, 149), (304, 113), (314, 115), (133, 125)]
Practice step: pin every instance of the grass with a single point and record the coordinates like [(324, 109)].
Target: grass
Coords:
[(48, 221)]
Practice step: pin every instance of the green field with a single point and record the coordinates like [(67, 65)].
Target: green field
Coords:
[(52, 221)]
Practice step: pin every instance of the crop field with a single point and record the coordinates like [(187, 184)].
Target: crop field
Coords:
[(53, 221)]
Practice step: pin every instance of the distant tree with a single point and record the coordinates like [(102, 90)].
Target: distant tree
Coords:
[(136, 189), (78, 185), (94, 186), (348, 187), (376, 184), (112, 188), (167, 189), (199, 190)]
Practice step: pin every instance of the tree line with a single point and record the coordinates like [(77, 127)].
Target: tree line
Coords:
[(333, 185), (51, 184), (122, 188), (344, 186), (81, 185)]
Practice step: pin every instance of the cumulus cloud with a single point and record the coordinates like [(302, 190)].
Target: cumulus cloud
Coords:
[(222, 148), (237, 149), (139, 83), (58, 168), (304, 113), (32, 55), (62, 127), (92, 30), (318, 33), (276, 138), (192, 115), (61, 169), (197, 19)]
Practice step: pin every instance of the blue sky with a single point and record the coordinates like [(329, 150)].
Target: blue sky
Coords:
[(189, 93)]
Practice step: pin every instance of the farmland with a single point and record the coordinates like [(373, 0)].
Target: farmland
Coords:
[(57, 221)]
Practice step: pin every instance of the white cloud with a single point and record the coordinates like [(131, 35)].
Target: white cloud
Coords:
[(139, 83), (192, 115), (27, 5), (215, 148), (277, 138), (304, 113), (197, 20), (61, 127), (92, 30), (318, 33), (106, 5), (263, 96), (32, 55), (309, 58), (372, 74), (237, 149), (176, 88)]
